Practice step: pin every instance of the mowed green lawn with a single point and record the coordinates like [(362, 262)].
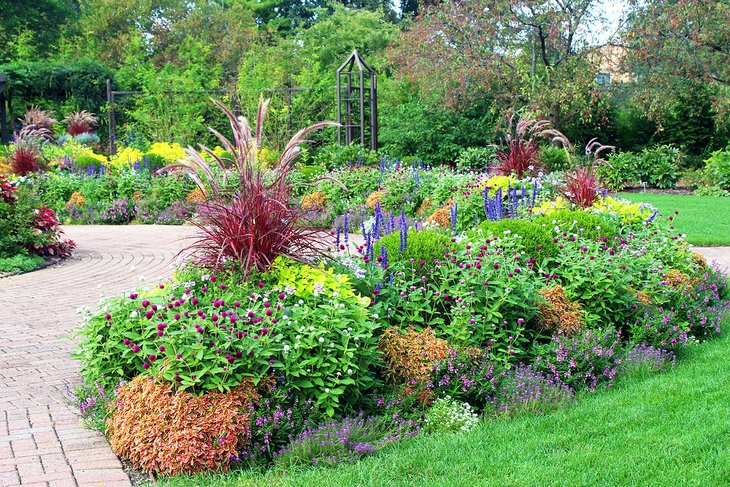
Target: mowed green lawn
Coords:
[(705, 219), (666, 429)]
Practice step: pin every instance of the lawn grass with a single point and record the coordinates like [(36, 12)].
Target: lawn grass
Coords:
[(705, 219), (663, 429)]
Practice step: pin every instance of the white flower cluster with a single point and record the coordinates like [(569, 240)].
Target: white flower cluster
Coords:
[(447, 414)]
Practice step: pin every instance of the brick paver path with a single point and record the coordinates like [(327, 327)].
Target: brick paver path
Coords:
[(41, 440)]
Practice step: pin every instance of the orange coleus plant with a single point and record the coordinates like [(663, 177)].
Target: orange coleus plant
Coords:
[(558, 312), (171, 433), (409, 356)]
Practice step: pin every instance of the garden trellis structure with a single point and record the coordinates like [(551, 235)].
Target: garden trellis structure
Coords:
[(357, 102)]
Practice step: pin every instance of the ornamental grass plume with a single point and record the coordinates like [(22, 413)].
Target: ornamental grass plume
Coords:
[(251, 225), (581, 185), (26, 158), (39, 119), (521, 155), (82, 122)]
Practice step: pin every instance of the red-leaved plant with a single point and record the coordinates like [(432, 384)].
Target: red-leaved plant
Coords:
[(82, 122), (255, 223), (26, 157), (521, 155), (581, 185)]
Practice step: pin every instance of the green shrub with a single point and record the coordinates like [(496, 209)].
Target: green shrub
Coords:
[(554, 159), (20, 263), (532, 237), (88, 161), (334, 156), (476, 158), (711, 191), (425, 246), (448, 415), (619, 170), (305, 323), (717, 168), (659, 166)]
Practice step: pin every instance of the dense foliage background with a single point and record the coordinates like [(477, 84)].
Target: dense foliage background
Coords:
[(447, 72)]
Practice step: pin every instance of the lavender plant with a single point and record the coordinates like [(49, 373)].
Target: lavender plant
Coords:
[(344, 440)]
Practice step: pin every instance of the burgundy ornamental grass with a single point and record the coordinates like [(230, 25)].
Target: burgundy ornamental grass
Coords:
[(255, 223)]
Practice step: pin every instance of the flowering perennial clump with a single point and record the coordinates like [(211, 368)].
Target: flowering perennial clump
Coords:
[(524, 388), (345, 440), (448, 415)]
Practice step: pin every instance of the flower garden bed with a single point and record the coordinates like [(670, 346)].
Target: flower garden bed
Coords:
[(506, 296)]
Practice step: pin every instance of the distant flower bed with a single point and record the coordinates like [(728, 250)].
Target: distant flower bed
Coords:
[(30, 230)]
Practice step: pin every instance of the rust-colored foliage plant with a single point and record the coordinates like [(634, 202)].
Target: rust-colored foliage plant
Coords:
[(676, 278), (173, 433), (313, 201), (409, 356), (256, 223), (374, 199), (76, 199), (559, 314), (441, 217)]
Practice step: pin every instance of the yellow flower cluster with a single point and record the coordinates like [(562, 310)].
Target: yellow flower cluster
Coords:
[(496, 182), (170, 152), (550, 207), (127, 157)]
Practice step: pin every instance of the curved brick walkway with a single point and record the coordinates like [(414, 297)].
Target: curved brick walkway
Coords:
[(41, 440)]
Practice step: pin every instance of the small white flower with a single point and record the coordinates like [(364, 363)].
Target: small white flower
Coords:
[(327, 390), (321, 340)]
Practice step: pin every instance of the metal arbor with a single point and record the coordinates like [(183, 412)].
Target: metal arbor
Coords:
[(357, 102)]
